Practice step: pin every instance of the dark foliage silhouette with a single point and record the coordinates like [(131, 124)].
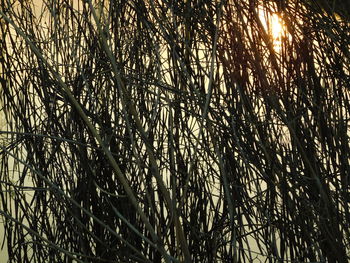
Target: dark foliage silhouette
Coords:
[(174, 131)]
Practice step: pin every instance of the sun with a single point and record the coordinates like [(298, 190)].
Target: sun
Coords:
[(273, 25), (276, 27)]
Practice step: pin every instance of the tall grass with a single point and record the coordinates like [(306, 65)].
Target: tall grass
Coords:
[(174, 131)]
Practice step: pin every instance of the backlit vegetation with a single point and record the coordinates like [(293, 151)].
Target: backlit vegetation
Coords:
[(174, 131)]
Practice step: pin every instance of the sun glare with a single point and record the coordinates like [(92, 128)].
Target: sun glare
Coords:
[(274, 27)]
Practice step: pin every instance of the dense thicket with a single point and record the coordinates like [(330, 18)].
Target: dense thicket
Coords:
[(174, 131)]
